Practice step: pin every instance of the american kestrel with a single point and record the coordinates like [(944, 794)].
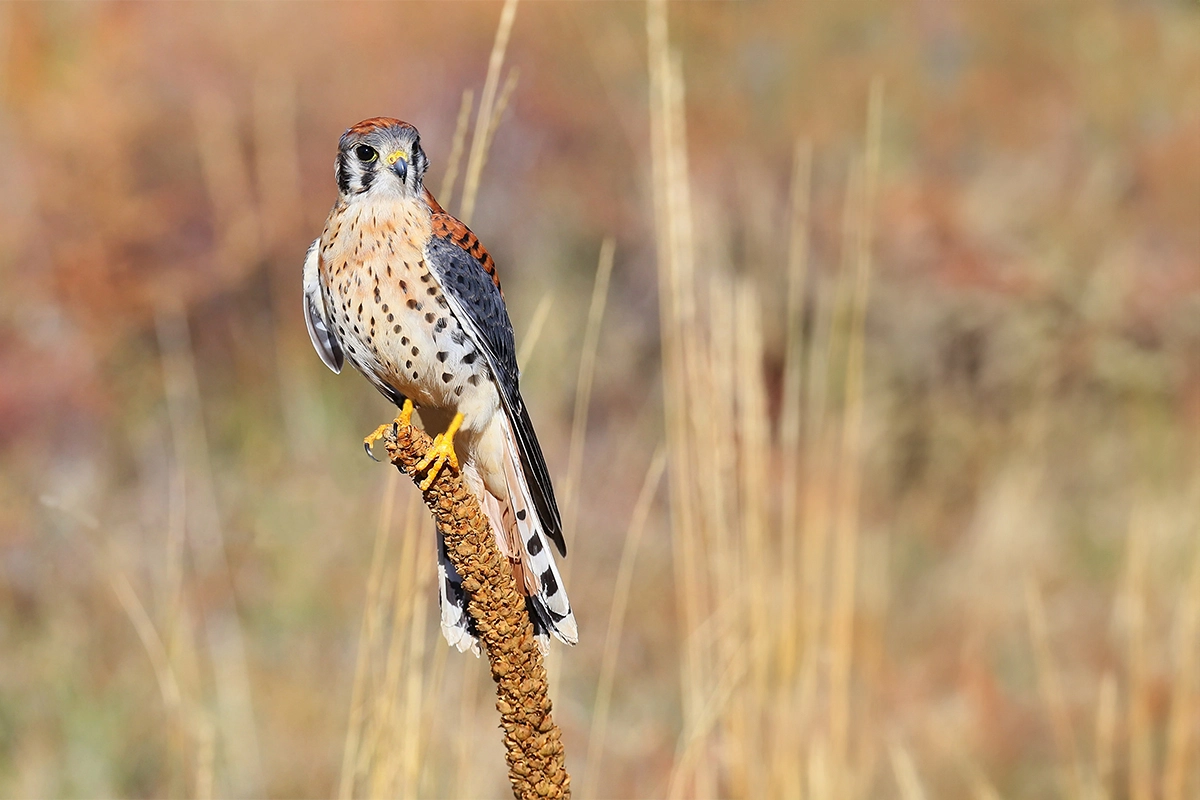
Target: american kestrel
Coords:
[(409, 295)]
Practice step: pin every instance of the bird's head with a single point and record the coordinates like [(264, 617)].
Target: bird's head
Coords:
[(381, 155)]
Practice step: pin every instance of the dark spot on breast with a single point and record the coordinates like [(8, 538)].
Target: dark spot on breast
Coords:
[(442, 356), (521, 514), (408, 364), (473, 379), (458, 390), (413, 303), (447, 377), (430, 316), (424, 277), (395, 328), (389, 266), (385, 309), (378, 297), (416, 376), (403, 285), (403, 339), (470, 357), (441, 323), (415, 351), (534, 545), (433, 290), (391, 317), (360, 308)]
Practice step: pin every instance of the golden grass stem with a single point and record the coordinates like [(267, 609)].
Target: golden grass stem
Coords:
[(506, 93), (845, 566), (454, 160), (682, 356), (1179, 751), (905, 771), (384, 752), (1141, 756), (791, 414), (583, 387), (1106, 730), (616, 621), (534, 331), (365, 638), (409, 725), (206, 539), (483, 120), (1050, 686)]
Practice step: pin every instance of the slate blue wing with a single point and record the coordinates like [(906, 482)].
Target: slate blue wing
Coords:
[(467, 276)]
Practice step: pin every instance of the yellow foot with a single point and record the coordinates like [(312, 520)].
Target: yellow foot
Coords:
[(403, 420), (441, 453)]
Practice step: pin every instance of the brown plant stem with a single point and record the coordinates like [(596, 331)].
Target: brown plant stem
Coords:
[(532, 742)]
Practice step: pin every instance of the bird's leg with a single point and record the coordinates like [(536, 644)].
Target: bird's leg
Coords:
[(441, 453), (403, 420)]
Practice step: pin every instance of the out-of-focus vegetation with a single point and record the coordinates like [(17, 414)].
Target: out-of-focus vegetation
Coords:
[(907, 293)]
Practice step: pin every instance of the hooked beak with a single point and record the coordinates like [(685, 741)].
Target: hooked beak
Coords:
[(398, 163)]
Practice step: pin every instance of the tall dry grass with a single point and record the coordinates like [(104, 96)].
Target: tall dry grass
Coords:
[(923, 523)]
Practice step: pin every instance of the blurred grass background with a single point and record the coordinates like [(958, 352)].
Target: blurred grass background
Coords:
[(907, 293)]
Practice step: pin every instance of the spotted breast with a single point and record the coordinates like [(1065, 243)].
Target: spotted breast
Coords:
[(391, 316)]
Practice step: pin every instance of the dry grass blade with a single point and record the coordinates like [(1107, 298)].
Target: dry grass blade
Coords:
[(1106, 730), (860, 203), (1141, 755), (1050, 684), (682, 352), (791, 416), (168, 686), (367, 635), (616, 621), (906, 772), (454, 161), (1179, 755), (483, 120), (206, 538), (506, 93), (532, 741), (583, 387), (534, 331)]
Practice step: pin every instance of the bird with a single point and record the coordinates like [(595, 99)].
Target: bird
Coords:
[(409, 296)]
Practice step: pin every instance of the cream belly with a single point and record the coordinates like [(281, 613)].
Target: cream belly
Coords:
[(391, 318)]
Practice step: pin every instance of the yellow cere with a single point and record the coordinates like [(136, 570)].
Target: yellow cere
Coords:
[(392, 158)]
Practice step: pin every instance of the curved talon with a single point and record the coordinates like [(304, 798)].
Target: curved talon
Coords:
[(404, 419), (371, 439), (441, 453)]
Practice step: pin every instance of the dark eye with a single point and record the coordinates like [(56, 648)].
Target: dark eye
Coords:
[(366, 153)]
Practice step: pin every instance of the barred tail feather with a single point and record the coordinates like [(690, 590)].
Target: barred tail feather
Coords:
[(514, 524), (457, 626), (524, 537)]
